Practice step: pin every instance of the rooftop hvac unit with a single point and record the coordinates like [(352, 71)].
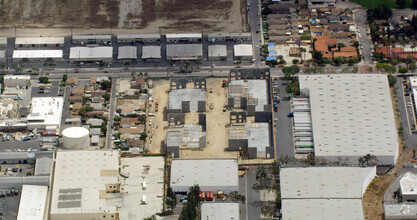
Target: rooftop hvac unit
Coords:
[(144, 200)]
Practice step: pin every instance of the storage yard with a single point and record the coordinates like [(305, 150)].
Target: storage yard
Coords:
[(216, 121), (147, 15)]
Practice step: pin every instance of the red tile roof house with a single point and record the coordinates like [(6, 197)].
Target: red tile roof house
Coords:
[(396, 52)]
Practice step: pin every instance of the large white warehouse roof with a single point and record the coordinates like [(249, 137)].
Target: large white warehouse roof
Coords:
[(80, 181), (37, 54), (243, 50), (340, 209), (91, 53), (32, 202), (127, 52), (352, 115), (39, 40), (325, 182), (220, 211), (209, 174), (151, 52), (324, 192), (46, 111)]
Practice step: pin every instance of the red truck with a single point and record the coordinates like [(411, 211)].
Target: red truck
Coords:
[(209, 196), (202, 196)]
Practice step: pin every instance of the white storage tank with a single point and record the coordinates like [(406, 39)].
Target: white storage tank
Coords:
[(75, 138)]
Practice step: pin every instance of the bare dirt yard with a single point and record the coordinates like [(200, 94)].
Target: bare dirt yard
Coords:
[(150, 16)]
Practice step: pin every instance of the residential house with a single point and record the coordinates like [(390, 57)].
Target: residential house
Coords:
[(346, 55), (337, 27), (139, 83)]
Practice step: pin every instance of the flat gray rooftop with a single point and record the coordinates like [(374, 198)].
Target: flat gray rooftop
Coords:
[(176, 97), (400, 211), (217, 51), (257, 134), (209, 174), (325, 182), (185, 136), (352, 115), (151, 52), (219, 211), (254, 90), (340, 209), (184, 50)]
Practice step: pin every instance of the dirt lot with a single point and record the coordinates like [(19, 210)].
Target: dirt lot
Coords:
[(216, 120), (156, 124), (148, 15)]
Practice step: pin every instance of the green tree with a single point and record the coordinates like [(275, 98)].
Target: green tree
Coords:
[(340, 45), (412, 67), (43, 79), (261, 173), (106, 96), (295, 61), (401, 3), (402, 69), (356, 44), (189, 210), (35, 69), (105, 84), (392, 80), (268, 211), (290, 71), (317, 56), (338, 61), (64, 77), (351, 61), (171, 199), (290, 88), (142, 118), (117, 118), (143, 136), (415, 4)]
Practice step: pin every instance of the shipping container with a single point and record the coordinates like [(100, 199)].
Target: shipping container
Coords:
[(304, 150), (303, 134), (302, 129)]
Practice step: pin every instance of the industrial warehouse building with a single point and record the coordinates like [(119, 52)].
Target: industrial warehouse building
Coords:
[(184, 52), (243, 52), (219, 37), (324, 192), (139, 38), (184, 38), (33, 202), (91, 39), (352, 116), (217, 52), (45, 112), (219, 211), (80, 188), (254, 137), (37, 55), (151, 53), (103, 185), (210, 174), (91, 54), (187, 100), (39, 42), (127, 53), (16, 80), (185, 136)]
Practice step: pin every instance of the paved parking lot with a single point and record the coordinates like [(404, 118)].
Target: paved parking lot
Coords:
[(284, 143), (410, 138), (15, 145), (10, 206)]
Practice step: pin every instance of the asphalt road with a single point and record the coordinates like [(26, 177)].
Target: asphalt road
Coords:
[(113, 100), (410, 138), (365, 40), (284, 144), (252, 207), (254, 21)]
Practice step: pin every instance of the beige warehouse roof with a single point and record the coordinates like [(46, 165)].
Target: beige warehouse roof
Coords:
[(39, 40), (243, 50), (37, 54)]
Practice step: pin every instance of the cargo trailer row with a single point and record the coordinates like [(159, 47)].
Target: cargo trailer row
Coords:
[(303, 132)]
